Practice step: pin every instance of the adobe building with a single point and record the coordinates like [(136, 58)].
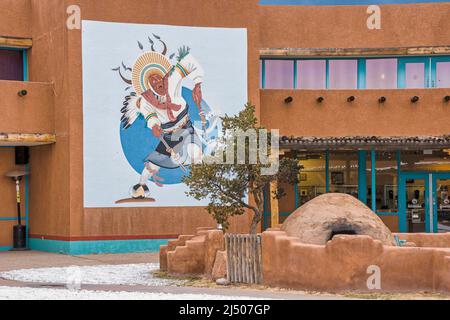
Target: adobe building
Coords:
[(365, 110)]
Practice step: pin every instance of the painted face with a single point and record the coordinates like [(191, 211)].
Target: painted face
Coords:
[(157, 83)]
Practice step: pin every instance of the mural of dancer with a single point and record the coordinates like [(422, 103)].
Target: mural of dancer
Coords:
[(158, 96)]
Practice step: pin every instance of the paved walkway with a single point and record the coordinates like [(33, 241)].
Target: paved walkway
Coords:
[(32, 259)]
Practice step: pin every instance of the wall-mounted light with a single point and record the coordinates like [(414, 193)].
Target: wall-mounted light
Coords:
[(447, 98), (22, 93), (351, 99), (382, 100), (288, 100), (320, 99), (415, 99)]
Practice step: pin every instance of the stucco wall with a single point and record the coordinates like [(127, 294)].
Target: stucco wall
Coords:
[(16, 18), (50, 166), (60, 51), (439, 240), (56, 184), (343, 262), (33, 113), (398, 116), (345, 26), (8, 194)]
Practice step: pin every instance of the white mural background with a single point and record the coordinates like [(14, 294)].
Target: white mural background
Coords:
[(108, 176)]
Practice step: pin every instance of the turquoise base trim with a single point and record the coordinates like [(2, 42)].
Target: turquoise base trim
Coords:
[(5, 248), (97, 247)]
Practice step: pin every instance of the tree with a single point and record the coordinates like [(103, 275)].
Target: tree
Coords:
[(226, 184)]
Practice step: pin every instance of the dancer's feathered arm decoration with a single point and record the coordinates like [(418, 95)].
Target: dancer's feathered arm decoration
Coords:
[(130, 110)]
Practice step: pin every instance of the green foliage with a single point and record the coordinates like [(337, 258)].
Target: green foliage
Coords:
[(226, 186)]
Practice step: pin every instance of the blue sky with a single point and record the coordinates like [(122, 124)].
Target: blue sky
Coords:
[(345, 2)]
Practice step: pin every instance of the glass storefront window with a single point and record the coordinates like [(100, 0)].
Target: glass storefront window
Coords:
[(311, 74), (426, 160), (381, 73), (279, 74), (386, 181), (312, 178), (344, 172), (343, 74)]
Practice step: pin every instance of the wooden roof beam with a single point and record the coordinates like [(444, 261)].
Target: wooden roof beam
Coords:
[(353, 52), (12, 42)]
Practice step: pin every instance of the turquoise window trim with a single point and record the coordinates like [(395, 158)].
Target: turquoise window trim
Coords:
[(295, 74), (374, 180), (263, 72), (429, 61), (12, 219), (361, 73), (297, 200), (25, 64)]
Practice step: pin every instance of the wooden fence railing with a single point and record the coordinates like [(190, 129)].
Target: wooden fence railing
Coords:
[(244, 262)]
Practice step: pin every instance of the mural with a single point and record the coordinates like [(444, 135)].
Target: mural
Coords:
[(163, 89)]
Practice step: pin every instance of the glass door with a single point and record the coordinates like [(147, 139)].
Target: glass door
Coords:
[(424, 202), (414, 202), (413, 73), (440, 72), (442, 202)]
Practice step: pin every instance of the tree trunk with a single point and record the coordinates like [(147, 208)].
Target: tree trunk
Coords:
[(258, 211)]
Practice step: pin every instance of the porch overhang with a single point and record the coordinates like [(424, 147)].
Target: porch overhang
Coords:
[(26, 139), (366, 143)]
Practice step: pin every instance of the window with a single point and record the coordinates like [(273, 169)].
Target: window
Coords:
[(381, 73), (343, 74), (11, 65), (312, 178), (415, 75), (443, 74), (356, 73), (312, 74), (344, 172), (426, 160), (386, 181), (279, 74)]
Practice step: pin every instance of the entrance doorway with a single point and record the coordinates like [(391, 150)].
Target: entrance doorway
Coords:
[(424, 202)]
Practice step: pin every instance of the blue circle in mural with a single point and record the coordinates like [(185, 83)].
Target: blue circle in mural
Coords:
[(138, 141)]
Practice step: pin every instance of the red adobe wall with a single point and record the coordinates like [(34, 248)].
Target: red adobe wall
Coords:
[(342, 264), (15, 18)]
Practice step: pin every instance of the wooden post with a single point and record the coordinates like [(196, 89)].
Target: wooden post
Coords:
[(274, 208)]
